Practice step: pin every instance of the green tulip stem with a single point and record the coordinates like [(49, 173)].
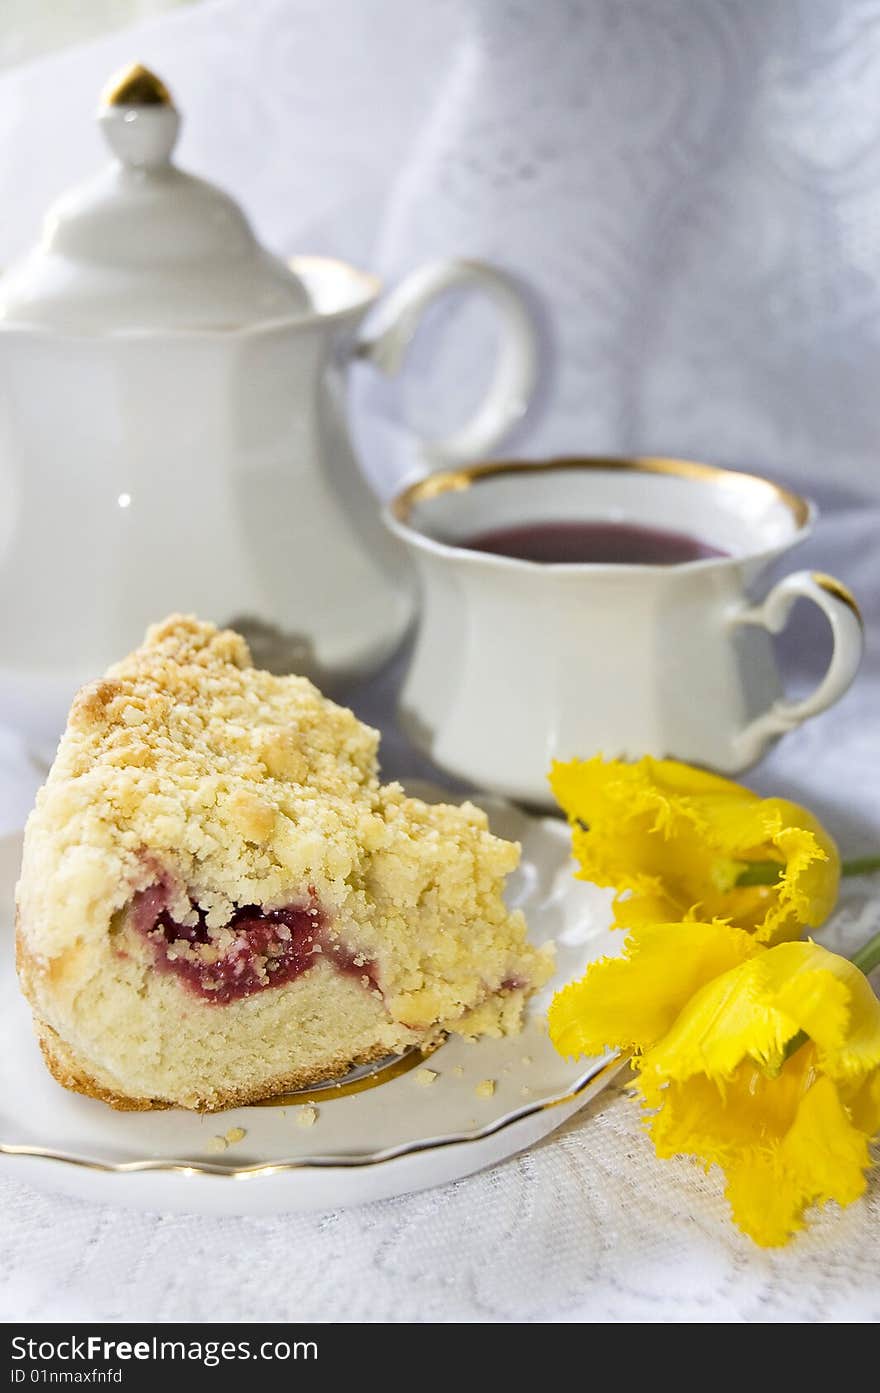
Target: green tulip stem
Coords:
[(860, 865), (868, 956), (768, 872)]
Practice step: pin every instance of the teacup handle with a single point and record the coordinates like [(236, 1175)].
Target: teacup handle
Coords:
[(516, 369), (842, 612)]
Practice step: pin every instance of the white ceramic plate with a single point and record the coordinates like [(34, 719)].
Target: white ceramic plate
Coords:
[(365, 1142)]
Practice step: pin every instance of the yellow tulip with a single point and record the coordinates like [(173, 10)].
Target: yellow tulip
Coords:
[(678, 843), (631, 1002), (764, 1061)]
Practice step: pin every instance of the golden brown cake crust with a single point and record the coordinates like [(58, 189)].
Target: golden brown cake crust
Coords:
[(71, 1073), (65, 1070)]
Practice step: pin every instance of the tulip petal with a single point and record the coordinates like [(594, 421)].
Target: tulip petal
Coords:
[(764, 1201), (809, 885), (823, 1157), (823, 1148), (724, 1023), (693, 1119), (831, 1000), (618, 1002), (864, 1105)]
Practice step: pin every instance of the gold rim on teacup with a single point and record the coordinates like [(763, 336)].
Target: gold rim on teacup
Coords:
[(455, 480)]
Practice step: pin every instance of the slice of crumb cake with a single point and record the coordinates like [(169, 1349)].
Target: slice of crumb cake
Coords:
[(219, 900)]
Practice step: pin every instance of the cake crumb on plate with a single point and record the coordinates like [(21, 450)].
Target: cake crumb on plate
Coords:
[(236, 1134), (216, 1144), (485, 1088), (307, 1116), (425, 1077)]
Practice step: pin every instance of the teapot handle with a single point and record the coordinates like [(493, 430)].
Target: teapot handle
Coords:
[(516, 369)]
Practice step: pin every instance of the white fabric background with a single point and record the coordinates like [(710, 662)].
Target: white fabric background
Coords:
[(690, 187), (32, 27), (691, 191)]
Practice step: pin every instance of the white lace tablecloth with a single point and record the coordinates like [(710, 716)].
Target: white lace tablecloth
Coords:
[(691, 188)]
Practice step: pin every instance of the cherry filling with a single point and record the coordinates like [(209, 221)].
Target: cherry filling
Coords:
[(258, 948)]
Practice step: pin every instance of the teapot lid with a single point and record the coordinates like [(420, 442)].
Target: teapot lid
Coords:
[(145, 246)]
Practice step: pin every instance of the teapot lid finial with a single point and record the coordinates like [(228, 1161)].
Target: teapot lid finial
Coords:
[(139, 118), (136, 86), (144, 245)]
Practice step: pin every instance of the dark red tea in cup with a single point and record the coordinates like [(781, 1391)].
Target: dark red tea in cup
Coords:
[(603, 543)]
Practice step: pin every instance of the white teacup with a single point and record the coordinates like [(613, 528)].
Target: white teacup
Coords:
[(517, 663)]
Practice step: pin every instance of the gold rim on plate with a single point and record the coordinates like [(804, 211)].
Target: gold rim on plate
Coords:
[(596, 1077)]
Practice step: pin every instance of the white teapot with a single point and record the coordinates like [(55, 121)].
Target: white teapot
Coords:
[(173, 432)]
